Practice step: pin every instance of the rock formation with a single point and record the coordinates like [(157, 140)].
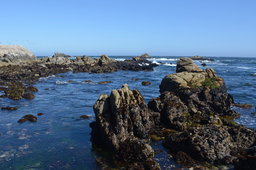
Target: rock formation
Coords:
[(123, 122), (15, 54), (192, 115), (196, 103)]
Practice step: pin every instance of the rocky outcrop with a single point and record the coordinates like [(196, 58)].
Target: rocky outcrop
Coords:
[(123, 122), (192, 115), (60, 55), (202, 91), (15, 54), (29, 71), (186, 64), (214, 144), (196, 104), (142, 57), (104, 60)]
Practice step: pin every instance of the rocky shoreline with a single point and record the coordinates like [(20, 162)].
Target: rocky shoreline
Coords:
[(20, 69), (193, 117)]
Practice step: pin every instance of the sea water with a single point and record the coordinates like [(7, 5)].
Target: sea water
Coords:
[(61, 140)]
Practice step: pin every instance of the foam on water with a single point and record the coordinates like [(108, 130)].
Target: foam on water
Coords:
[(242, 67), (169, 64), (162, 59), (61, 82)]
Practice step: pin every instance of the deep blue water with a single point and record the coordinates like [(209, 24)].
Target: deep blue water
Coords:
[(61, 140)]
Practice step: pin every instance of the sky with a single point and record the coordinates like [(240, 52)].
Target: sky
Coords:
[(131, 27)]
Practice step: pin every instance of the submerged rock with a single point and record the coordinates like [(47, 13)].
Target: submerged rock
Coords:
[(9, 108), (29, 117), (244, 106), (40, 114), (104, 82), (85, 117), (146, 83)]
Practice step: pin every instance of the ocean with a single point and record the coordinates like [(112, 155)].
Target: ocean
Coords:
[(60, 139)]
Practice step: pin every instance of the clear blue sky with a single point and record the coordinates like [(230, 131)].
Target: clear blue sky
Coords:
[(131, 27)]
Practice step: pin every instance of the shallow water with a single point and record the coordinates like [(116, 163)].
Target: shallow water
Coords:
[(61, 140)]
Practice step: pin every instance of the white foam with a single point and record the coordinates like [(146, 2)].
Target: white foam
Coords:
[(246, 68), (61, 82), (144, 64), (119, 59), (45, 78), (162, 59), (169, 64)]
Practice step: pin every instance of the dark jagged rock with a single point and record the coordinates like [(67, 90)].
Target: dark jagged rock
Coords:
[(198, 106), (215, 144), (123, 122), (247, 159), (193, 116)]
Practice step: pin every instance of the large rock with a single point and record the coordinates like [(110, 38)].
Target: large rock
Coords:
[(186, 64), (123, 122), (202, 91), (214, 144), (15, 54), (189, 80), (104, 60), (197, 105)]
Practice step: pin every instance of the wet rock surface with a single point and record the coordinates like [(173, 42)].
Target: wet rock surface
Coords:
[(29, 117), (192, 116), (123, 122)]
